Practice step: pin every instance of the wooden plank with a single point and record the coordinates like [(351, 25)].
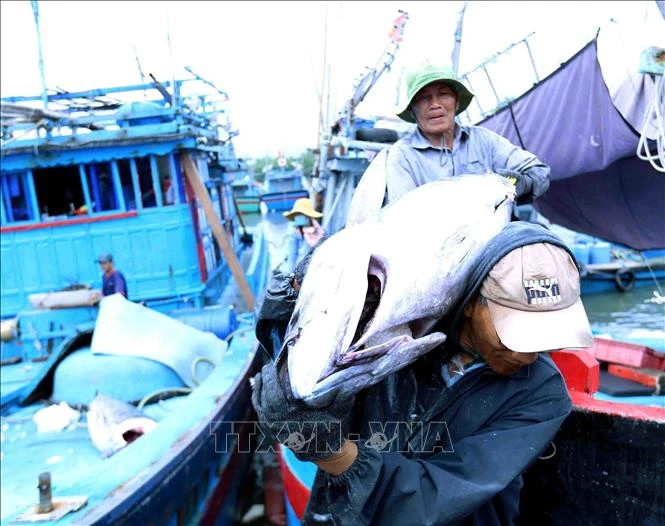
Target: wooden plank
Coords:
[(192, 174)]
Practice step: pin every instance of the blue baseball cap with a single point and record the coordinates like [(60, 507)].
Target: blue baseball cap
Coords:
[(105, 257)]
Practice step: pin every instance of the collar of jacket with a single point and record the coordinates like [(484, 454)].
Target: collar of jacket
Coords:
[(418, 141)]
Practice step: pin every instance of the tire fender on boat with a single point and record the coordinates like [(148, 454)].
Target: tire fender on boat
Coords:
[(624, 279)]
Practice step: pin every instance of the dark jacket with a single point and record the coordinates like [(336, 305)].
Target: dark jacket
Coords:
[(447, 455), (462, 458)]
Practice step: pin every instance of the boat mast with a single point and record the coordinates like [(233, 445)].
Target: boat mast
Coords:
[(35, 11), (458, 37), (323, 124), (367, 81)]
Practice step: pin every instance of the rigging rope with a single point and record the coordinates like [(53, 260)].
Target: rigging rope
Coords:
[(657, 107)]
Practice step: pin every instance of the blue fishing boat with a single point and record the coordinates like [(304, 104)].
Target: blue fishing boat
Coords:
[(143, 172), (605, 266), (247, 193), (283, 187)]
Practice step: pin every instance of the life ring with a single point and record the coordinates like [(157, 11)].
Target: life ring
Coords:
[(624, 280)]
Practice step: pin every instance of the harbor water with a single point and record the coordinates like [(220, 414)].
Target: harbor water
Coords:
[(630, 316)]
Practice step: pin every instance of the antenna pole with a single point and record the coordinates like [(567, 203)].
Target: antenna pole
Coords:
[(458, 37), (174, 86), (324, 69), (35, 11), (138, 63)]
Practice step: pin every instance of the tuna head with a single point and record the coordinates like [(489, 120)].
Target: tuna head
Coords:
[(374, 290), (113, 424)]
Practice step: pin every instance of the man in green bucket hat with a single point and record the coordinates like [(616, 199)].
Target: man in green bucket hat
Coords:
[(440, 147)]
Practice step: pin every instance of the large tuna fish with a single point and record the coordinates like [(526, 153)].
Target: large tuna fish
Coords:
[(374, 290)]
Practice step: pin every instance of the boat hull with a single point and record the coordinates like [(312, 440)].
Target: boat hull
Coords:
[(283, 201), (621, 280), (608, 469), (248, 205)]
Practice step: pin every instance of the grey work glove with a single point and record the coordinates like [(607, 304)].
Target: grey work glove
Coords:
[(311, 433), (273, 312), (522, 185)]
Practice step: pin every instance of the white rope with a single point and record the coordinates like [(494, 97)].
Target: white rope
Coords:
[(657, 107)]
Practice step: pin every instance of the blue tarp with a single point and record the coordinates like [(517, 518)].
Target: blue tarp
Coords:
[(599, 186)]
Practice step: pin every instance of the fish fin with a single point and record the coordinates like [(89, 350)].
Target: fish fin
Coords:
[(368, 196)]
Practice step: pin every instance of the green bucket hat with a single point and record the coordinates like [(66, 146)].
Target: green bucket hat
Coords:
[(426, 74)]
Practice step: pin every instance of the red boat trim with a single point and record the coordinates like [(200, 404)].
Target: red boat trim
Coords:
[(67, 222), (623, 353), (580, 370), (295, 491), (648, 377), (586, 402)]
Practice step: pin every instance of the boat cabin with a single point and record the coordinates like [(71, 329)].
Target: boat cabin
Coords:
[(103, 174)]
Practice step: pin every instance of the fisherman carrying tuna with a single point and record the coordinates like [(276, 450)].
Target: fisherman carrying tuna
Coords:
[(439, 147), (445, 440)]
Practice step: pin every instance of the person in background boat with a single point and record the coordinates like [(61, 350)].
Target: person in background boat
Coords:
[(446, 439), (168, 192), (306, 232), (112, 280), (441, 147)]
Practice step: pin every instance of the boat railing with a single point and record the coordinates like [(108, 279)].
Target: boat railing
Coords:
[(93, 112), (482, 69)]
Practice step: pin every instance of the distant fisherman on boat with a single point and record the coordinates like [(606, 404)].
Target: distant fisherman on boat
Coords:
[(306, 232), (439, 147), (112, 280), (446, 439)]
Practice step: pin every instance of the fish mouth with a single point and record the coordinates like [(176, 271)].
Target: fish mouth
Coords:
[(372, 365), (134, 428), (375, 284)]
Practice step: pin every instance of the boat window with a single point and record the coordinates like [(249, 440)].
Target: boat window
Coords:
[(125, 171), (59, 192), (15, 201), (145, 182), (100, 182), (165, 179)]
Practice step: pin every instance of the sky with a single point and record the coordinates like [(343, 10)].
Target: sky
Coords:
[(271, 57)]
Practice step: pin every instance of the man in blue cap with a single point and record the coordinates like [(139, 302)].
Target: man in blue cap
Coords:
[(440, 147), (112, 280)]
